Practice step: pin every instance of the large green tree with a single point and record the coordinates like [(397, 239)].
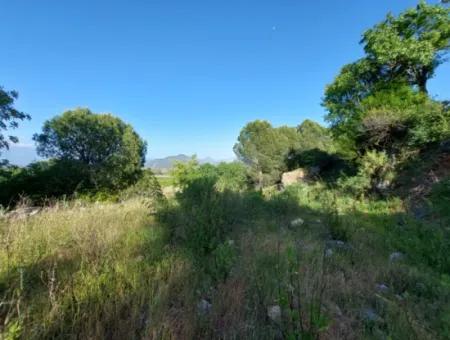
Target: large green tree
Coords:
[(9, 117), (265, 148), (374, 102), (411, 45), (109, 149)]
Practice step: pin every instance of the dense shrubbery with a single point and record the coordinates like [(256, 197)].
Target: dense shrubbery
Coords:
[(41, 181), (95, 156)]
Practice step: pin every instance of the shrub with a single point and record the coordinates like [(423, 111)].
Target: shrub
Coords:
[(375, 174), (42, 180), (147, 187)]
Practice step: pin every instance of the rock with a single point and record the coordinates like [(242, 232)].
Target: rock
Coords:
[(274, 313), (297, 222), (396, 256), (292, 177), (369, 314), (204, 307), (382, 288), (22, 213), (328, 252), (334, 309), (383, 185)]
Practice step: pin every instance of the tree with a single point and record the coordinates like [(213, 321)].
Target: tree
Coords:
[(402, 53), (314, 136), (411, 45), (110, 150), (9, 117), (264, 148)]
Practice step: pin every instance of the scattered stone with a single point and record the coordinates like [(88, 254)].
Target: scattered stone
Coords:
[(274, 313), (334, 309), (297, 222), (382, 288), (204, 307), (328, 252), (369, 314), (396, 256)]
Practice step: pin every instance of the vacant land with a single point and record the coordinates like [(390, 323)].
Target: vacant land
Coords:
[(306, 262)]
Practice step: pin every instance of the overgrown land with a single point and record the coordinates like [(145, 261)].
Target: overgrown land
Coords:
[(337, 232)]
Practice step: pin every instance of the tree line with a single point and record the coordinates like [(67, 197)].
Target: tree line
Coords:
[(378, 110)]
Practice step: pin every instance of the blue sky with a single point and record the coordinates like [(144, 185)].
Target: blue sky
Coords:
[(186, 74)]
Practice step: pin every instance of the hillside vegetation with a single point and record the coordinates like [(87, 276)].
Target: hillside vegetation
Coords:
[(94, 246)]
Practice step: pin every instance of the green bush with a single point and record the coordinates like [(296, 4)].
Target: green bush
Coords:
[(42, 180), (147, 187), (375, 174), (227, 176)]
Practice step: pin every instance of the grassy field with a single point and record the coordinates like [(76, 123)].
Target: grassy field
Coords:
[(95, 271), (164, 180), (305, 263)]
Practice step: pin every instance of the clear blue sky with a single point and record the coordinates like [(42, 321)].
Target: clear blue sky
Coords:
[(186, 74)]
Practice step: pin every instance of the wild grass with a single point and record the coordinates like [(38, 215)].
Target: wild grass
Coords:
[(97, 271), (113, 271)]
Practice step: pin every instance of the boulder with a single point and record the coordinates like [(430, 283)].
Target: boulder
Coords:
[(396, 256), (274, 313), (292, 177), (297, 222), (204, 307)]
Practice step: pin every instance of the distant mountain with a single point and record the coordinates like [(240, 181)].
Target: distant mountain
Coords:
[(165, 164)]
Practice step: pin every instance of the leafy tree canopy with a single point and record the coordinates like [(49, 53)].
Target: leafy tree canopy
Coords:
[(411, 45), (264, 148), (9, 117), (110, 149), (403, 50), (314, 136)]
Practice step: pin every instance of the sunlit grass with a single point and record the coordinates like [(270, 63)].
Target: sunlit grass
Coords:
[(94, 271)]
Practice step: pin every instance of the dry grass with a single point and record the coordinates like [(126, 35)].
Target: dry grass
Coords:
[(108, 271), (99, 271)]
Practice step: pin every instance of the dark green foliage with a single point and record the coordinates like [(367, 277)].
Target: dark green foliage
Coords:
[(204, 216), (146, 187), (9, 117), (412, 45), (111, 150), (226, 176), (264, 148), (314, 136), (380, 101), (42, 180), (440, 201)]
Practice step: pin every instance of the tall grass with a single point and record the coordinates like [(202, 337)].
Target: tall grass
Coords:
[(214, 264), (98, 271)]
